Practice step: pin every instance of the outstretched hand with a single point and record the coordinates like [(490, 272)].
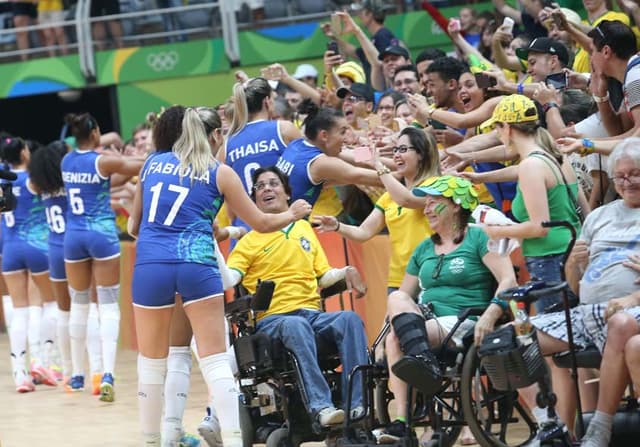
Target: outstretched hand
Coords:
[(300, 209), (325, 223)]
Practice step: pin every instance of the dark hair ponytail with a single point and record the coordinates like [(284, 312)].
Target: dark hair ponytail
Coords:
[(81, 125), (10, 149), (317, 118)]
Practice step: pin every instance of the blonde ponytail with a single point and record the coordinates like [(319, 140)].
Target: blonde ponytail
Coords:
[(192, 148), (240, 109), (545, 140)]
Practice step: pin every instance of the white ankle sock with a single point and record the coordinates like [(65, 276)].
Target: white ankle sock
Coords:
[(217, 373), (48, 332), (18, 341), (64, 346), (33, 335), (94, 343), (541, 415), (78, 328), (151, 374), (176, 390)]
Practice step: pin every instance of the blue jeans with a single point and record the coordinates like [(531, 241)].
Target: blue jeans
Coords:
[(297, 331), (547, 268)]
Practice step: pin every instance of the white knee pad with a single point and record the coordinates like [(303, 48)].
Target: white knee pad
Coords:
[(179, 360), (108, 294), (151, 371), (79, 296)]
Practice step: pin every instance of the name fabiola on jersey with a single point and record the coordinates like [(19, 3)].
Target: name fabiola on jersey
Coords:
[(159, 167)]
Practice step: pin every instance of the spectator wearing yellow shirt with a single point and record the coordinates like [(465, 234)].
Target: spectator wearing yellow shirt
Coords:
[(596, 12), (416, 158), (52, 12)]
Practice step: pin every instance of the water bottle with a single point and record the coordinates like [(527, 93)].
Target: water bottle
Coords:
[(522, 326)]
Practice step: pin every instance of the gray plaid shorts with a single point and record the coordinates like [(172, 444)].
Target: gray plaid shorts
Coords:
[(587, 321)]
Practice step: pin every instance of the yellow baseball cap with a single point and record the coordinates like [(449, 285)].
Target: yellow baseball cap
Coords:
[(353, 71), (513, 109)]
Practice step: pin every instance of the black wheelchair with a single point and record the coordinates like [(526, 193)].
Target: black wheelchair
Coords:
[(273, 397), (465, 397)]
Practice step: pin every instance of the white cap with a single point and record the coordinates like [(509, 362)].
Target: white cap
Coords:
[(305, 70)]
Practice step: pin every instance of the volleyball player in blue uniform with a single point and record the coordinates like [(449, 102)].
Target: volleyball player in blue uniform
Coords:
[(178, 197), (91, 245), (255, 140), (24, 252), (311, 161), (46, 177)]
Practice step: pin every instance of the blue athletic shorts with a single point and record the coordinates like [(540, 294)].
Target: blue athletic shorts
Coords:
[(83, 245), (18, 256), (56, 263), (156, 284)]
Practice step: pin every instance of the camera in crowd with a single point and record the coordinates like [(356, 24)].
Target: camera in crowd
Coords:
[(7, 199)]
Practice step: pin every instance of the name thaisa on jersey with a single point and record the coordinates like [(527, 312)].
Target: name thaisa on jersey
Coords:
[(80, 177), (251, 149), (159, 167)]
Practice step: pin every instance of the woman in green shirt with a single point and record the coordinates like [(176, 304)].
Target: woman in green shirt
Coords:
[(451, 270), (547, 190)]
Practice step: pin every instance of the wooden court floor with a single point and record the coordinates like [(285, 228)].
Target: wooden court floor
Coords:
[(49, 417)]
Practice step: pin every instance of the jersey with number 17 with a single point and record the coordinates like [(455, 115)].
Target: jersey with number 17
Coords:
[(88, 196), (177, 213)]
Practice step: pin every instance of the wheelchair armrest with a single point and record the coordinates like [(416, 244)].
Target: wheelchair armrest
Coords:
[(258, 302), (588, 357), (334, 289), (262, 298)]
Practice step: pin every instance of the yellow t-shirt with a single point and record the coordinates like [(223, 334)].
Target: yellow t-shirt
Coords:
[(328, 203), (407, 228), (50, 5), (581, 62), (292, 258)]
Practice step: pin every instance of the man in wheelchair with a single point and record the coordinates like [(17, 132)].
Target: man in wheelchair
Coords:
[(603, 270), (294, 260), (451, 270)]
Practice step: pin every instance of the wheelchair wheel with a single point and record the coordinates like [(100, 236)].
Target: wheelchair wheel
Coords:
[(382, 397), (496, 418)]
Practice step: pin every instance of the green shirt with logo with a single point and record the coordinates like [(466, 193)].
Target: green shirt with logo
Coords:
[(456, 280)]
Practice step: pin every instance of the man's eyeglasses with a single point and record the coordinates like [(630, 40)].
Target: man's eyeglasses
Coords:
[(273, 183), (402, 149), (354, 98), (438, 268), (632, 179)]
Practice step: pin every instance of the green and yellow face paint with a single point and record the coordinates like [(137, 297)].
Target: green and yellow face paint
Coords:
[(440, 207)]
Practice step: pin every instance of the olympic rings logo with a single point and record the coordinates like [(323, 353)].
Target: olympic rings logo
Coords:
[(164, 61)]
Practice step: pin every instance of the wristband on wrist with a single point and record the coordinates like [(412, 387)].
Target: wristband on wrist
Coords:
[(549, 105), (520, 88), (338, 226), (383, 170), (587, 147), (504, 305), (601, 99)]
